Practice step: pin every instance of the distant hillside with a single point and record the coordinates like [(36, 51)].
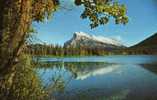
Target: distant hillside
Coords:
[(149, 42), (147, 46)]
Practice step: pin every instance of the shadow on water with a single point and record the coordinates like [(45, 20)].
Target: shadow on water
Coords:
[(99, 80), (150, 67)]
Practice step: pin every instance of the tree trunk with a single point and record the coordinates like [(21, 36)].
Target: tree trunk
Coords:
[(16, 19)]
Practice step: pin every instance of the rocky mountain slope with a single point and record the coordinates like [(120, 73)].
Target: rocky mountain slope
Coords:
[(81, 39)]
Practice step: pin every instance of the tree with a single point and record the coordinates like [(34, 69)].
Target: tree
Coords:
[(17, 17), (100, 11)]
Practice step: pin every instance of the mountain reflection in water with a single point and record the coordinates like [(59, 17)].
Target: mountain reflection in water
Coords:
[(100, 80)]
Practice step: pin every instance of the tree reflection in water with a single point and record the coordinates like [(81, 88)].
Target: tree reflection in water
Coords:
[(57, 75)]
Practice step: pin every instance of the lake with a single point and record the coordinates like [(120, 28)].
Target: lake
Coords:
[(120, 77)]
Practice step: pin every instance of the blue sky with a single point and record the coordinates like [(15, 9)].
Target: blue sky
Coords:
[(142, 23)]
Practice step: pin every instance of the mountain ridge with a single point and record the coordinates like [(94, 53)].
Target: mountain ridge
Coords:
[(150, 41), (81, 39), (146, 46)]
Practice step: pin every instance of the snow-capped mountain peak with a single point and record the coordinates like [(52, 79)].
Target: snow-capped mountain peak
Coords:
[(84, 39), (81, 34), (99, 38)]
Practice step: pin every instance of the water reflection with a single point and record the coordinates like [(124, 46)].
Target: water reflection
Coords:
[(91, 78), (127, 59), (99, 80), (78, 70), (150, 67), (84, 70)]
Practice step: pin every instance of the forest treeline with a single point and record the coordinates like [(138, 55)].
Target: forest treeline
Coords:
[(58, 50)]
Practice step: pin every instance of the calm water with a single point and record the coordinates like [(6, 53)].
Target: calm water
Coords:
[(100, 77)]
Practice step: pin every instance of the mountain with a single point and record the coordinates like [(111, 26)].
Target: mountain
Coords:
[(147, 46), (81, 39), (149, 42)]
